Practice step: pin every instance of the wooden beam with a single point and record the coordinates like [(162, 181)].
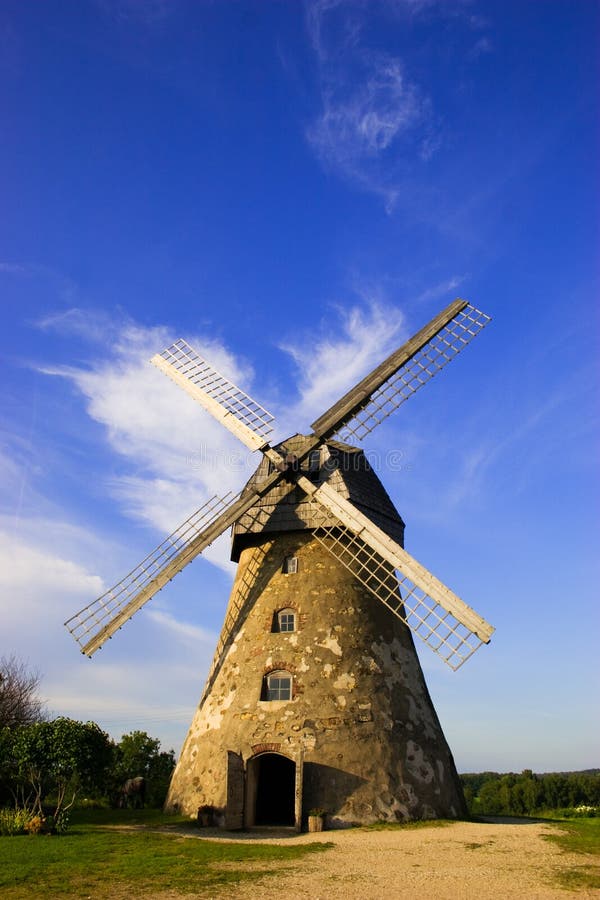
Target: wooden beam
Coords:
[(393, 553), (179, 562), (357, 398), (251, 439)]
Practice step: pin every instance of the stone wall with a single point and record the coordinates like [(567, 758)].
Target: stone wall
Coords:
[(360, 716)]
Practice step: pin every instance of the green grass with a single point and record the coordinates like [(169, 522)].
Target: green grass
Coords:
[(578, 836), (95, 859), (106, 816), (417, 823)]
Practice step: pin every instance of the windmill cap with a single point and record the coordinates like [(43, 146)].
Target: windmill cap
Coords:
[(286, 508)]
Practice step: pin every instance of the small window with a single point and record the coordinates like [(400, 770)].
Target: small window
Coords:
[(290, 565), (287, 620), (277, 686), (284, 620)]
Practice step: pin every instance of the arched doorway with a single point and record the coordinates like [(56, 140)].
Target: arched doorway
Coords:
[(271, 790)]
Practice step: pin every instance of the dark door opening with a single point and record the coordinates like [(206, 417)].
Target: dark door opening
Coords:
[(275, 790)]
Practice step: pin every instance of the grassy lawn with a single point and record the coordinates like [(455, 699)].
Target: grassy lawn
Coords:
[(579, 836), (93, 859)]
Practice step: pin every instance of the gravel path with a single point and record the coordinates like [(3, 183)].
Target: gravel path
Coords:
[(460, 861)]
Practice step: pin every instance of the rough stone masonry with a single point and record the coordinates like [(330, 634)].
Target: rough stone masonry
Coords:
[(337, 694)]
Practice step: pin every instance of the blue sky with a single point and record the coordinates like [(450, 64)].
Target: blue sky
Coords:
[(296, 188)]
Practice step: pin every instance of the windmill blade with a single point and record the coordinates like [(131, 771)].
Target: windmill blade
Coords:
[(432, 611), (402, 374), (237, 411), (98, 621)]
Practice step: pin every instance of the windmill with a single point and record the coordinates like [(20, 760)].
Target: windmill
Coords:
[(315, 697)]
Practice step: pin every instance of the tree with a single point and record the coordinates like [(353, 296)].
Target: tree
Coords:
[(57, 758), (489, 796), (533, 792), (138, 754), (135, 753), (19, 700)]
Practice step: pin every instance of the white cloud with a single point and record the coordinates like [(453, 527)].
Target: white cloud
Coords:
[(367, 120), (442, 289), (377, 127), (40, 588), (93, 326), (46, 567), (192, 635), (44, 576), (177, 456), (332, 363), (372, 115), (20, 564), (159, 697)]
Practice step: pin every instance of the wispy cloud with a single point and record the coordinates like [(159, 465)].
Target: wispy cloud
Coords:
[(93, 326), (175, 454), (21, 563), (364, 121), (170, 455), (372, 112), (331, 361), (185, 631), (377, 126), (47, 571), (156, 701), (442, 289)]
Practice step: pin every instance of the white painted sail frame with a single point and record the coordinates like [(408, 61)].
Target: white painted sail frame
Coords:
[(237, 411), (438, 631)]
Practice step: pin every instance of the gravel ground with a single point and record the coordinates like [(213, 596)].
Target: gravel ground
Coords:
[(460, 861)]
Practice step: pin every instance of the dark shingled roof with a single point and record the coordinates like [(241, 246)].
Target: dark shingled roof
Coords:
[(286, 507)]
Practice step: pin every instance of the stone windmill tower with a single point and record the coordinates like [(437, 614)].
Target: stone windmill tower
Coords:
[(315, 697)]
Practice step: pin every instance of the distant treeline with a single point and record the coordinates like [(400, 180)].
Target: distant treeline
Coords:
[(493, 793)]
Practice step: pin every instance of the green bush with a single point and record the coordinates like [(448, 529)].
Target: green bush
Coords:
[(22, 821), (579, 812), (14, 821)]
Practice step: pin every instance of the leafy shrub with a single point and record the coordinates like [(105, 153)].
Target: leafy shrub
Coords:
[(13, 821), (580, 812), (60, 823), (36, 825)]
